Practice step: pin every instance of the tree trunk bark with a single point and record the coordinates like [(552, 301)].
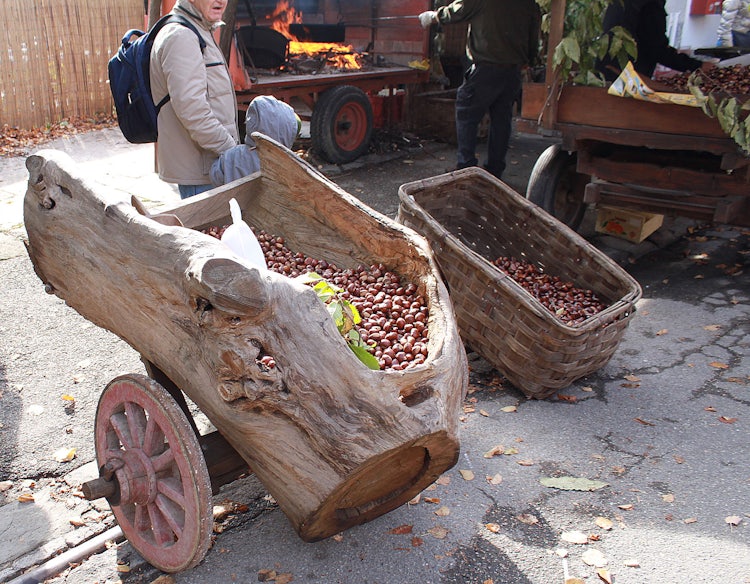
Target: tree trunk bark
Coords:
[(334, 442)]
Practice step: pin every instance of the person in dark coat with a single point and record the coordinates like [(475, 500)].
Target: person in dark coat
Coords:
[(503, 38), (646, 21)]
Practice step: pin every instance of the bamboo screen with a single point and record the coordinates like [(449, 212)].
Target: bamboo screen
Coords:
[(54, 54)]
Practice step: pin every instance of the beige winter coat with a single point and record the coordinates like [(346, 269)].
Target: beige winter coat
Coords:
[(200, 120)]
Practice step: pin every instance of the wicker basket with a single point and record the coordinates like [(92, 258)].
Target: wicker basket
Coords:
[(470, 218)]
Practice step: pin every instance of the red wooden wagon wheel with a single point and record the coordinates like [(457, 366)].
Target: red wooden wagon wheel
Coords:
[(341, 124), (163, 500)]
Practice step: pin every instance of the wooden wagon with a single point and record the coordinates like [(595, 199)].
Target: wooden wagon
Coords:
[(659, 158), (335, 443)]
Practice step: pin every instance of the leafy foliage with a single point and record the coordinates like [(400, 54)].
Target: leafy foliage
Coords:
[(344, 314), (731, 114), (584, 42)]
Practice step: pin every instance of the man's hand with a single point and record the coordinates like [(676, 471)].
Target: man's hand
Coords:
[(428, 18)]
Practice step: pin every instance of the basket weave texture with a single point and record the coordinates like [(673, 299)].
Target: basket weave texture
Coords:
[(470, 218)]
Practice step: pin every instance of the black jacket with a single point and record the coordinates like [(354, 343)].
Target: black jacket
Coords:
[(646, 20)]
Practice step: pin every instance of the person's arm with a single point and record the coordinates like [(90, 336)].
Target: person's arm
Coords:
[(186, 76), (729, 10), (460, 10), (652, 38)]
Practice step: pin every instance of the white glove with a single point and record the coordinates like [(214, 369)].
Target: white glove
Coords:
[(428, 18)]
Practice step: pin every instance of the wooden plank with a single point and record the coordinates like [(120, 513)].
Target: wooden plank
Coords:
[(714, 185)]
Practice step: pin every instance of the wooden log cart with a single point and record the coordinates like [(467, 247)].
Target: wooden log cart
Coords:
[(334, 442)]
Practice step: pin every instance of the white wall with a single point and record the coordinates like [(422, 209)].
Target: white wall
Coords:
[(692, 32)]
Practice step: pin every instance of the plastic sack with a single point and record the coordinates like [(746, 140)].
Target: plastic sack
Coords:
[(241, 239)]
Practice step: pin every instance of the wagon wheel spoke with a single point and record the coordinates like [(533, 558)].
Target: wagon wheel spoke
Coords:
[(164, 507)]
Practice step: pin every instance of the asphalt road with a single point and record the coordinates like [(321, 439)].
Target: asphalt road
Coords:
[(664, 425)]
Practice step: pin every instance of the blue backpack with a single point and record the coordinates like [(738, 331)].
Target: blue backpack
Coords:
[(130, 82)]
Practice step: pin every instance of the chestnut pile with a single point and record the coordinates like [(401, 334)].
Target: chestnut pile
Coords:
[(732, 80), (569, 303), (394, 314)]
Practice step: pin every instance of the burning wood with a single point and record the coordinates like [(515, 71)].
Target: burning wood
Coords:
[(308, 57)]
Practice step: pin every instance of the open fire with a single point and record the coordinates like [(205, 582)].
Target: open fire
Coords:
[(309, 57)]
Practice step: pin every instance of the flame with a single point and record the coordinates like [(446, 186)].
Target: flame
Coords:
[(283, 16), (336, 54)]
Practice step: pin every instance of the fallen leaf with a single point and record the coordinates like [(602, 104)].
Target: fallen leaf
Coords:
[(668, 498), (718, 365), (662, 332), (442, 511), (525, 462), (727, 420), (443, 480), (416, 541), (604, 523), (67, 397), (733, 520), (626, 506), (438, 532), (509, 409), (576, 537), (401, 529), (338, 538), (25, 498), (64, 454), (567, 398), (678, 459), (587, 388), (644, 422), (123, 568), (495, 480), (266, 575), (484, 413), (618, 470), (574, 581), (712, 327), (490, 580), (164, 579), (572, 483), (415, 500), (511, 451), (528, 519), (594, 557), (689, 520), (631, 564), (604, 575), (562, 552), (467, 475), (433, 500), (284, 578), (494, 451), (709, 409), (633, 378), (493, 527)]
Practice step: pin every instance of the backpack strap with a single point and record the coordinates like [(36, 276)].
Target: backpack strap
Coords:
[(178, 19)]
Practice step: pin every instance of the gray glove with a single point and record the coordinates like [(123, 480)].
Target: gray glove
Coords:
[(428, 18)]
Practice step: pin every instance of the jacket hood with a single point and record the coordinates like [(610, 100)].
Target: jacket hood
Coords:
[(271, 117), (187, 7)]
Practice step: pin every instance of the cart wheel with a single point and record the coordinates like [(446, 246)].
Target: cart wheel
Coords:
[(163, 501), (341, 124), (556, 187)]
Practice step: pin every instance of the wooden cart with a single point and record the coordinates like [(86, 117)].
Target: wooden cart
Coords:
[(660, 158), (335, 443)]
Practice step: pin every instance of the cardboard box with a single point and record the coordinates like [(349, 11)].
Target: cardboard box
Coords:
[(627, 224)]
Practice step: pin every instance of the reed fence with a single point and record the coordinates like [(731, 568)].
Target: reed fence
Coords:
[(54, 54)]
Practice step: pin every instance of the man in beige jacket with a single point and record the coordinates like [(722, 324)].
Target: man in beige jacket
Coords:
[(199, 121)]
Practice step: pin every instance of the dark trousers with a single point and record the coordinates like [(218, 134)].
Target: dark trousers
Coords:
[(740, 39), (486, 88)]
